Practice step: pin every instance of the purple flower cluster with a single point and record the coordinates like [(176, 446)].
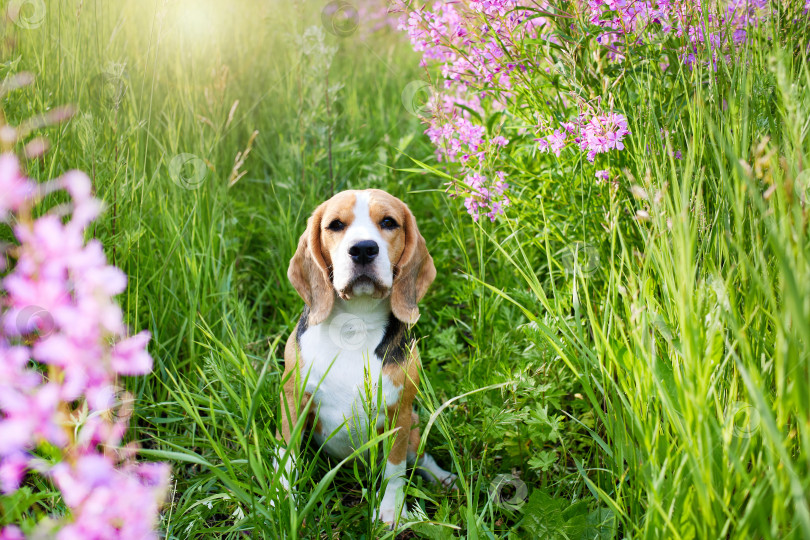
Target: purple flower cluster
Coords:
[(63, 345), (591, 133), (474, 42), (434, 33), (374, 16), (717, 27), (486, 49), (484, 196), (493, 7), (460, 140)]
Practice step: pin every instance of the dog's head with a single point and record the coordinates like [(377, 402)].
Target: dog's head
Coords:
[(362, 243)]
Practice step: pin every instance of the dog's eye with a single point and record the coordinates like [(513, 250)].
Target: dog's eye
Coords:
[(388, 223), (336, 225)]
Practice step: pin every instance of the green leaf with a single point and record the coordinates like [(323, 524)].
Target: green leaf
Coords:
[(543, 460)]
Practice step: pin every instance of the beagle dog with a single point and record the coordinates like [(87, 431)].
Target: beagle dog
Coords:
[(361, 266)]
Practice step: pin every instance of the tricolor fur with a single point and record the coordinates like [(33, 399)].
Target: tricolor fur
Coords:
[(361, 267)]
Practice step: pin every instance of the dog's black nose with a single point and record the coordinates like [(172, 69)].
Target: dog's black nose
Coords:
[(364, 252)]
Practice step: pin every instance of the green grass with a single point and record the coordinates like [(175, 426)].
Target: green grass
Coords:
[(663, 394)]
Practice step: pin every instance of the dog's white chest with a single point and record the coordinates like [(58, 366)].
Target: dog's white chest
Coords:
[(343, 375)]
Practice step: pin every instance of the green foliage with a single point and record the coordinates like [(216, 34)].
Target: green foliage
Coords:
[(558, 519), (673, 294)]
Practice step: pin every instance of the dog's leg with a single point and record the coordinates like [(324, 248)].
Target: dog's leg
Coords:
[(289, 417), (392, 506), (291, 406), (425, 465), (406, 377), (290, 409)]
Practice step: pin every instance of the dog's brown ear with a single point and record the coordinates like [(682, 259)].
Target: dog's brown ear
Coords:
[(414, 273), (308, 272)]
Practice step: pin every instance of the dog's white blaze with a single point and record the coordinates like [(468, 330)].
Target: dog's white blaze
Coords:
[(338, 365), (361, 228)]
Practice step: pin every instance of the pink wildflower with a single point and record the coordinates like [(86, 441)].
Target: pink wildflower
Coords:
[(15, 189), (556, 141), (93, 486), (11, 532), (59, 311), (485, 197), (12, 470)]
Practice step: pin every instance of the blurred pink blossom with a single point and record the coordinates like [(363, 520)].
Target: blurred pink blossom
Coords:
[(14, 188), (58, 310), (11, 532)]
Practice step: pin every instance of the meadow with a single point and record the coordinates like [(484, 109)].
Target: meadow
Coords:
[(616, 345)]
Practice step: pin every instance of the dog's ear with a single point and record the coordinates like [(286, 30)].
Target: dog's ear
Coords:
[(308, 272), (414, 273)]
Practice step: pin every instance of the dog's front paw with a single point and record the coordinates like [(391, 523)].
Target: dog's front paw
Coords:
[(388, 514)]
